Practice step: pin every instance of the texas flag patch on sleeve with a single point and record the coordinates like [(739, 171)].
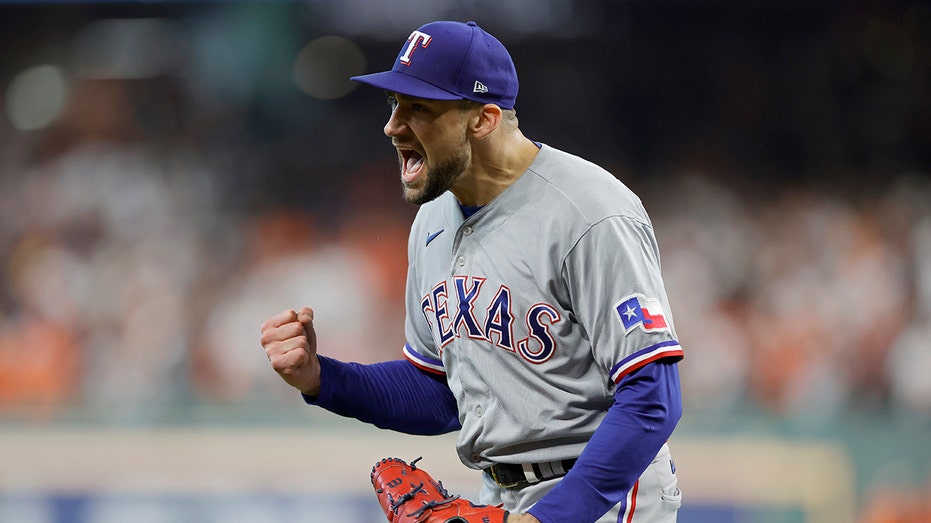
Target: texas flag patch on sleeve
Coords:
[(640, 311)]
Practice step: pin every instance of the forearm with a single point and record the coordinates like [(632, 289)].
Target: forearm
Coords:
[(393, 395), (646, 410)]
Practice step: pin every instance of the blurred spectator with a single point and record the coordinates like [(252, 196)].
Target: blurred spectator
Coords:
[(104, 249), (287, 267), (40, 368), (897, 504)]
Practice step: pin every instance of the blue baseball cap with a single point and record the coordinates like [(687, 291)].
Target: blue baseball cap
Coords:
[(451, 61)]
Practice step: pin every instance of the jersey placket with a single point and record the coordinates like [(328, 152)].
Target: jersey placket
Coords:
[(465, 250)]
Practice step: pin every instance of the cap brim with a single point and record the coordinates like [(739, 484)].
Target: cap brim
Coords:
[(407, 85)]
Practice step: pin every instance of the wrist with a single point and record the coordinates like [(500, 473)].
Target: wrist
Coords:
[(311, 385)]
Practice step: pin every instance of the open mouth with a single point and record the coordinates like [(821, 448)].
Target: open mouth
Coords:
[(412, 164)]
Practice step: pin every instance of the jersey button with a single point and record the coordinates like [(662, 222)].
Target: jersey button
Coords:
[(478, 410), (461, 261), (467, 231)]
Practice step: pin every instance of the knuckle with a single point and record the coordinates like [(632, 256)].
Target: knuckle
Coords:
[(295, 330)]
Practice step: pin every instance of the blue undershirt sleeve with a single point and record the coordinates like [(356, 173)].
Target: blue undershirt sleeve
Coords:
[(393, 395), (647, 406)]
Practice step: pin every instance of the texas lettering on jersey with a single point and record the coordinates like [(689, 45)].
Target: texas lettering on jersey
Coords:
[(451, 311)]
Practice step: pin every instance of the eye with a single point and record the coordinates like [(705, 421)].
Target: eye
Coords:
[(419, 107), (392, 103)]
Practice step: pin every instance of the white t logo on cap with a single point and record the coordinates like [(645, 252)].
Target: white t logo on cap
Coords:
[(415, 38)]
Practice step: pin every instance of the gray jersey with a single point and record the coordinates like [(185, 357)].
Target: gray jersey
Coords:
[(535, 307)]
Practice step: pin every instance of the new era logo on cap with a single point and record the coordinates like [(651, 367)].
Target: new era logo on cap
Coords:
[(451, 61)]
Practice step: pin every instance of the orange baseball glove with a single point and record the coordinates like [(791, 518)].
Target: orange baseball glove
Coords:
[(408, 494)]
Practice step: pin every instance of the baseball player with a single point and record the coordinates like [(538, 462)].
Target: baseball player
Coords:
[(537, 323)]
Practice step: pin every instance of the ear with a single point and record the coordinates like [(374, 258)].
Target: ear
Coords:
[(485, 121)]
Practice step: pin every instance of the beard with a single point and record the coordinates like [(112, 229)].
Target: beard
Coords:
[(438, 179)]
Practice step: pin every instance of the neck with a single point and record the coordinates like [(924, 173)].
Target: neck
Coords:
[(496, 165)]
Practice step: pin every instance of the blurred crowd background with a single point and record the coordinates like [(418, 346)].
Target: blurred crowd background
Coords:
[(171, 174)]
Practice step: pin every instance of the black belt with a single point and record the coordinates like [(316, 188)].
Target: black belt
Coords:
[(511, 476)]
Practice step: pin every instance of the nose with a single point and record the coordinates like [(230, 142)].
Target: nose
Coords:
[(395, 124)]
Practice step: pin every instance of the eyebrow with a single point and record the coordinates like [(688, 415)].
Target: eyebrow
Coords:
[(407, 98)]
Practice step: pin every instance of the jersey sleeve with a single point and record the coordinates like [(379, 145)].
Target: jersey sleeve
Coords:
[(420, 348), (618, 296), (647, 406), (369, 393)]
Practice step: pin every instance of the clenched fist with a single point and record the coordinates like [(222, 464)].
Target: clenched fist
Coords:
[(291, 346)]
